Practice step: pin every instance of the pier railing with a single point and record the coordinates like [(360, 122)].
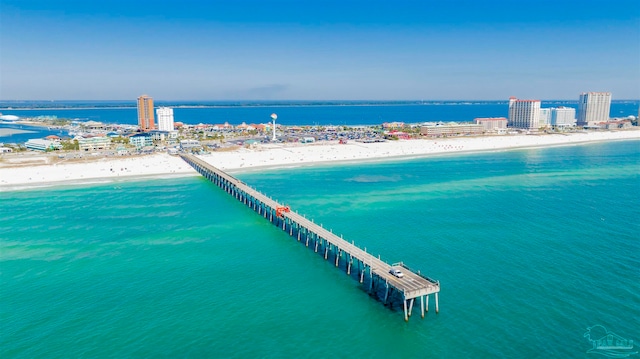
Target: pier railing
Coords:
[(401, 264)]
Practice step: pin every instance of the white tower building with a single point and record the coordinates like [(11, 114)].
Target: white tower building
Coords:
[(165, 118), (274, 117), (524, 114), (593, 108), (545, 117), (563, 116)]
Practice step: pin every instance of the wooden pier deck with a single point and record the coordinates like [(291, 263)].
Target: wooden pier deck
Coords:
[(411, 286)]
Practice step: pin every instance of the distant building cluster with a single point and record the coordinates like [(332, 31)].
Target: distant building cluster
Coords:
[(164, 131), (593, 112), (146, 120), (167, 134)]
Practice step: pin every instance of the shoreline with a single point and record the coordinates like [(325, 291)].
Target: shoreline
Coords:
[(297, 155), (38, 171), (412, 157), (35, 171), (88, 182)]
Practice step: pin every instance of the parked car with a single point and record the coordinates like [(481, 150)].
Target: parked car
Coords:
[(396, 272)]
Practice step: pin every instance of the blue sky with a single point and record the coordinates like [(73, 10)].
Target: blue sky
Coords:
[(318, 50)]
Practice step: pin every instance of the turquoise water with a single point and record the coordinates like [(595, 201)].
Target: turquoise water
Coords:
[(531, 247)]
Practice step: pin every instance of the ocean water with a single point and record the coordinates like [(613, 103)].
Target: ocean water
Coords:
[(347, 113), (531, 247), (27, 133)]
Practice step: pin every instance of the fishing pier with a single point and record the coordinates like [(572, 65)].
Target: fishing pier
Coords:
[(373, 273)]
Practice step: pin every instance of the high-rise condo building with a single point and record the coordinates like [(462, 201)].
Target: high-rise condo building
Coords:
[(165, 118), (145, 113), (563, 116), (545, 117), (524, 114), (593, 108)]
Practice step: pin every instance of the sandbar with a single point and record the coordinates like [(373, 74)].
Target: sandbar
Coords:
[(6, 132)]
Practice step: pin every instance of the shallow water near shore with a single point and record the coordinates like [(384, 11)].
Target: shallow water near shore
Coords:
[(531, 247)]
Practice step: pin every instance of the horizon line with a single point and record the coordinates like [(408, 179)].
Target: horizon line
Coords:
[(293, 100)]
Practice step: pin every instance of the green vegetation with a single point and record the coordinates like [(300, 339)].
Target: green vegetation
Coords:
[(120, 139), (70, 145), (15, 148)]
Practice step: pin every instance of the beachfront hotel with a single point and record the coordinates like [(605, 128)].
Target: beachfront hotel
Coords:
[(451, 129), (492, 124), (563, 116), (524, 114), (557, 117), (593, 108), (545, 117), (165, 118), (145, 113)]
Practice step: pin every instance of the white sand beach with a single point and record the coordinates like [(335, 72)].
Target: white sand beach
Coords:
[(287, 155), (36, 170), (29, 170)]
